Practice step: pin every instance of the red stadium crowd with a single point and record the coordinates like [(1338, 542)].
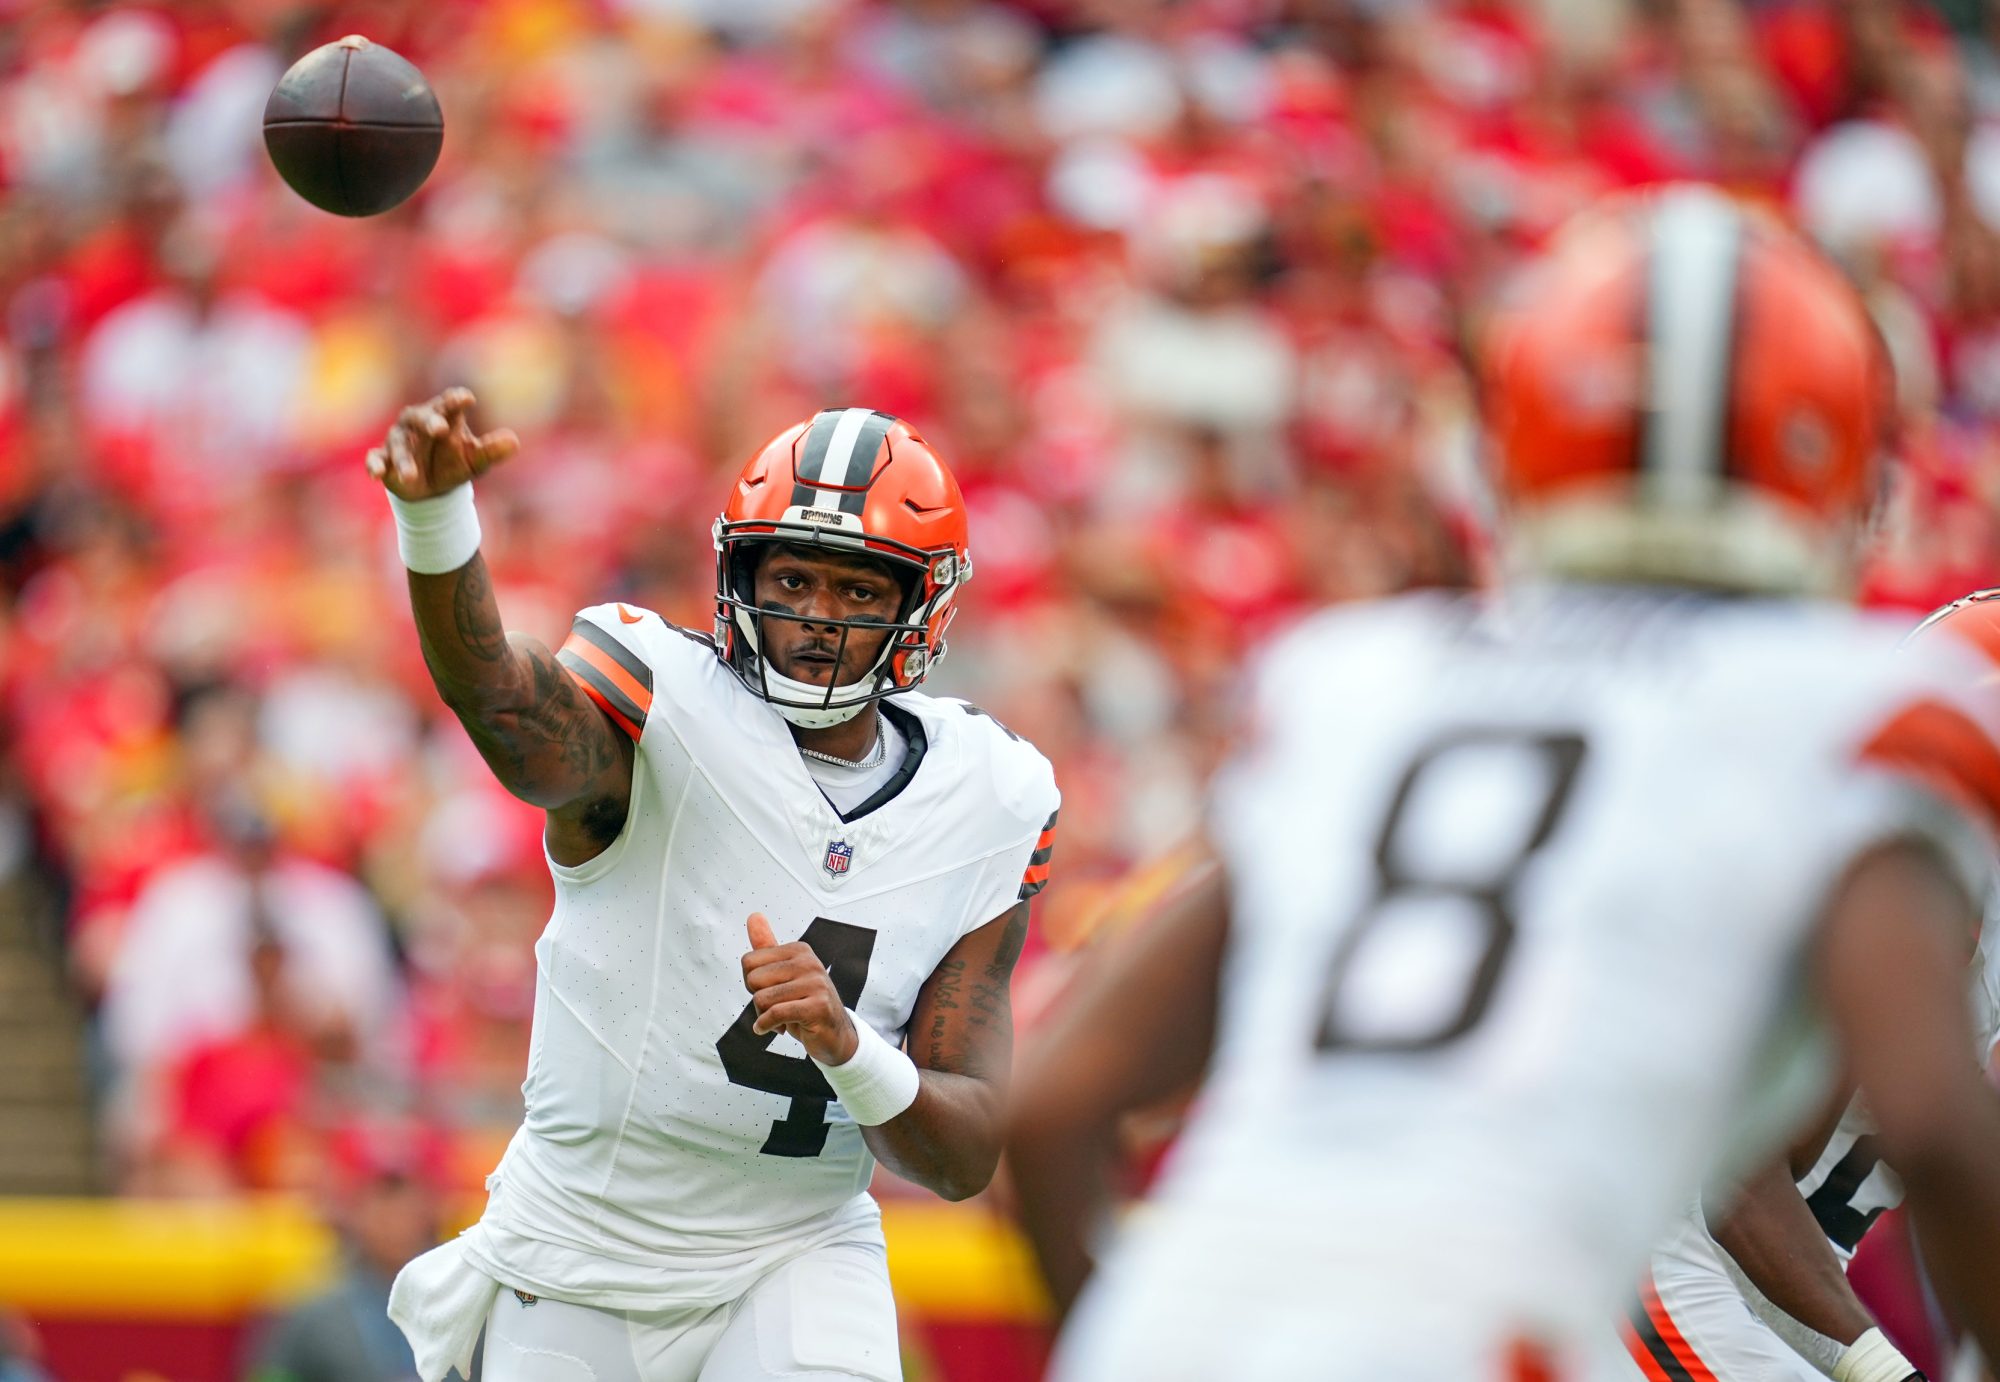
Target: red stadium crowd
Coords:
[(1183, 290)]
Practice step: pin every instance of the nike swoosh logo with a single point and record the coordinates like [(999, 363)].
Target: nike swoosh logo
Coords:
[(627, 616)]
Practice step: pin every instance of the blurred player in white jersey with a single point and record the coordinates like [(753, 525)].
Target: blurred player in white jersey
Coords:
[(1525, 924), (1750, 1285), (774, 861)]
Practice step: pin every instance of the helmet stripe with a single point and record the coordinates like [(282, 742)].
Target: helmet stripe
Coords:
[(1696, 244), (811, 456), (840, 453), (837, 459), (860, 461)]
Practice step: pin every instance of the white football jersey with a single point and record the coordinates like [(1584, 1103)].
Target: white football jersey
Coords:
[(668, 1153), (1517, 926)]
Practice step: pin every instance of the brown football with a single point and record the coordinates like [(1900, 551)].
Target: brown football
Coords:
[(353, 127)]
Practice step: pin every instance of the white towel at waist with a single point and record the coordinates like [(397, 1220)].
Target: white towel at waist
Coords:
[(440, 1302)]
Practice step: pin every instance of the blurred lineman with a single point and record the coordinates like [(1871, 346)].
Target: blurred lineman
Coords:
[(1519, 934), (1755, 1288), (776, 810)]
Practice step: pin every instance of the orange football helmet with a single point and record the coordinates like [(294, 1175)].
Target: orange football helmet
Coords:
[(857, 481), (1684, 391)]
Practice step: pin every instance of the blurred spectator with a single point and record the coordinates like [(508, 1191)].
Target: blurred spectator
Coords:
[(184, 969), (190, 387), (384, 1204), (1195, 350), (471, 930), (244, 973)]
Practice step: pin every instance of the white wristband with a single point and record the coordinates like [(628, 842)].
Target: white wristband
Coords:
[(877, 1082), (437, 535), (1872, 1358)]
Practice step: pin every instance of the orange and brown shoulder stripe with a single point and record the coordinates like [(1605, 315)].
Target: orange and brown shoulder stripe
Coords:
[(1945, 748), (1037, 876), (610, 673)]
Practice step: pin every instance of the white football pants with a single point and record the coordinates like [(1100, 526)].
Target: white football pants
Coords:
[(1691, 1320), (827, 1316)]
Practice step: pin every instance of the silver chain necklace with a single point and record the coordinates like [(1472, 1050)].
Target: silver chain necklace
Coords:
[(873, 760)]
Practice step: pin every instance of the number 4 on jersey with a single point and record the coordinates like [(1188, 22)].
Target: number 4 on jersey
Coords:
[(748, 1060)]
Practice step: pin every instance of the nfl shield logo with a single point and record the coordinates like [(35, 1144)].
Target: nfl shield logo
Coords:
[(839, 854)]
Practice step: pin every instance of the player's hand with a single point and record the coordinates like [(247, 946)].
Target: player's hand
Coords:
[(432, 448), (793, 993)]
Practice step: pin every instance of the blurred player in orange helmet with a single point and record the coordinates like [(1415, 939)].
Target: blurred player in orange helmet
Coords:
[(773, 858), (1531, 920), (1750, 1284), (1702, 408)]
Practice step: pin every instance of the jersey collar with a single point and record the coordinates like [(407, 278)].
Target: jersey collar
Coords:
[(915, 746)]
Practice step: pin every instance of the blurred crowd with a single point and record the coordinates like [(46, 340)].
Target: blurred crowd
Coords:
[(1183, 289)]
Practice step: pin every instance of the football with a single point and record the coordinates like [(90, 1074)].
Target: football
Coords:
[(353, 127)]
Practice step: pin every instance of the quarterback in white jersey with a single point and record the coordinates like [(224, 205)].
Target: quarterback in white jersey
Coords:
[(1531, 917), (775, 862), (1750, 1284)]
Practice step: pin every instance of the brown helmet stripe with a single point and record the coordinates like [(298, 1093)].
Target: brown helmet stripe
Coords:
[(810, 458), (836, 459)]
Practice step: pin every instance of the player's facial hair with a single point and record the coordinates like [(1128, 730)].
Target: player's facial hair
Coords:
[(840, 648)]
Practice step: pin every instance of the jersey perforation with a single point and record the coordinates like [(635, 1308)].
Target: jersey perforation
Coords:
[(653, 1027), (595, 1035), (793, 868), (696, 767), (780, 859), (849, 899)]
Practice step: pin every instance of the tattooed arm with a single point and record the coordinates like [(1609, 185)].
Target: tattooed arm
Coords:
[(962, 1040), (545, 740)]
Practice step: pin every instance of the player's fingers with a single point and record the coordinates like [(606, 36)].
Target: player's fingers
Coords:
[(402, 461), (774, 965), (792, 990), (424, 428), (452, 401), (753, 962), (761, 935), (781, 970), (493, 448), (377, 462), (416, 438), (803, 1011)]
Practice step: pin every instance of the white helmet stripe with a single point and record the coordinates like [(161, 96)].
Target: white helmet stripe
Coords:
[(1697, 235), (842, 462)]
